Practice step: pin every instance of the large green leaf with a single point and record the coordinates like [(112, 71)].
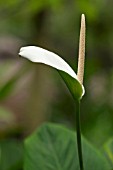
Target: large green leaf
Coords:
[(52, 147), (11, 155)]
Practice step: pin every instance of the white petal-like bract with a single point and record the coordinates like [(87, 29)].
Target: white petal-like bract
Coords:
[(40, 55)]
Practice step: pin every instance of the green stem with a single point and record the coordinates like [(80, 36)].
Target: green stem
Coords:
[(78, 130)]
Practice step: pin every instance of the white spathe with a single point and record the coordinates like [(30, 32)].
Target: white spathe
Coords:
[(40, 55)]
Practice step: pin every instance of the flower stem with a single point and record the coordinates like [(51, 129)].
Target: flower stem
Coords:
[(78, 130)]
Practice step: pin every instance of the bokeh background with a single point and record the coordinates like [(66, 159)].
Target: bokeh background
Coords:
[(31, 94)]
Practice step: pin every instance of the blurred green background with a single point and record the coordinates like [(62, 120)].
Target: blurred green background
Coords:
[(31, 94)]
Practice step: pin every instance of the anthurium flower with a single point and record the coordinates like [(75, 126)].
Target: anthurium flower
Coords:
[(40, 55)]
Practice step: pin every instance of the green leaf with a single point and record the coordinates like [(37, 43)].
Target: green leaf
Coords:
[(52, 147), (11, 156), (108, 149), (7, 88), (6, 116)]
